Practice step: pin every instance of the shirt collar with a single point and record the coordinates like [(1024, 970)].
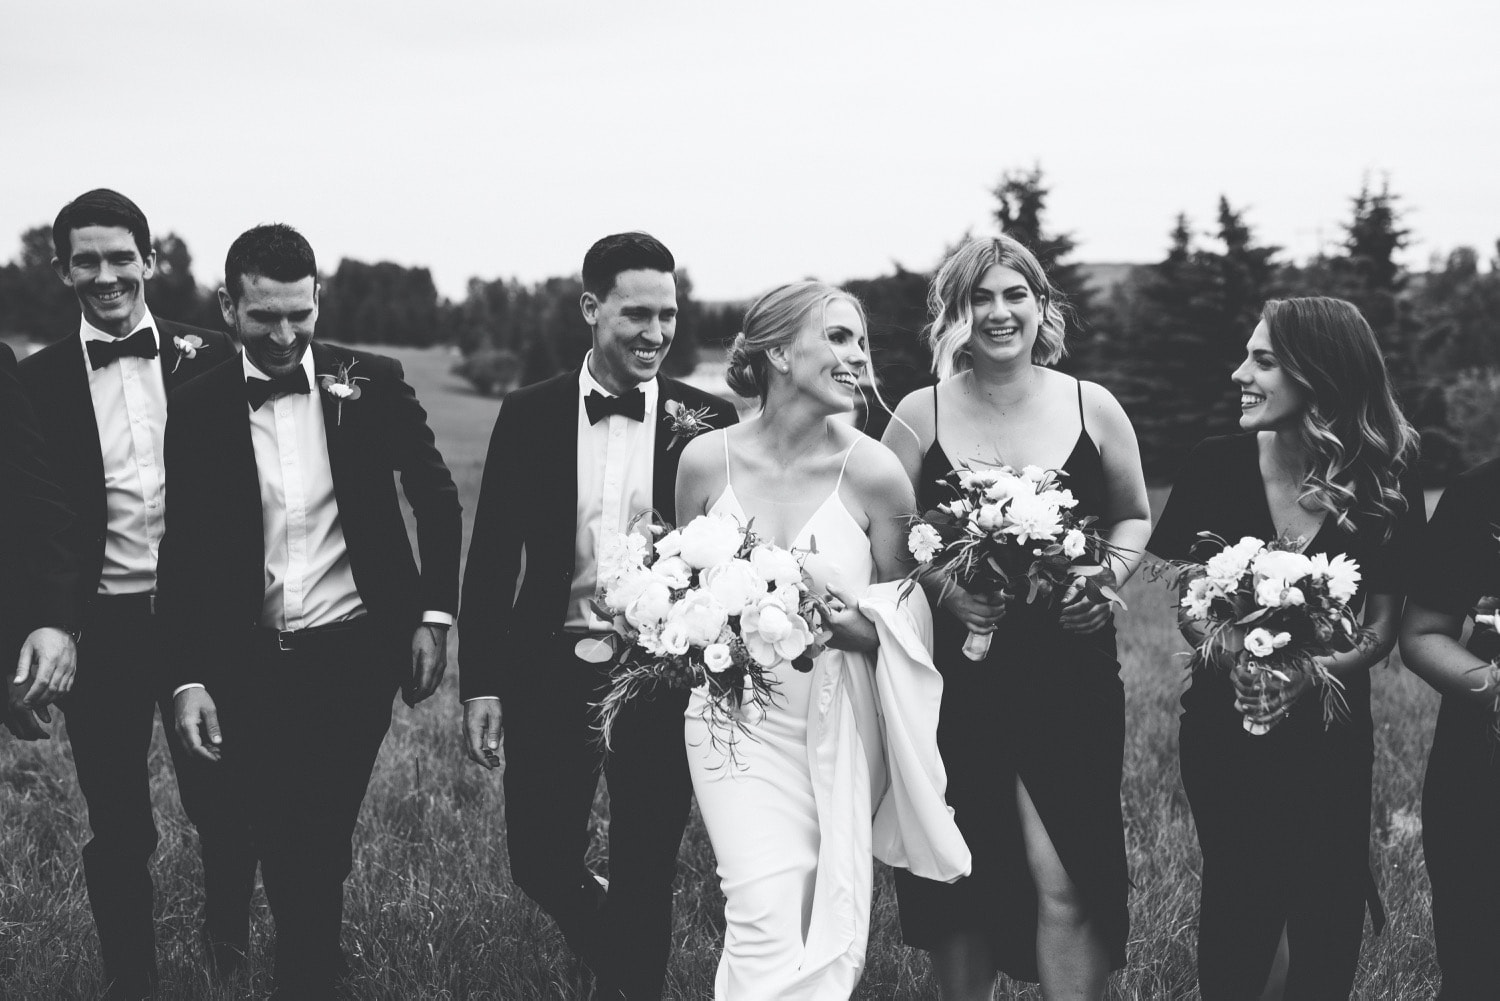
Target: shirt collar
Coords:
[(89, 332), (252, 372), (588, 384)]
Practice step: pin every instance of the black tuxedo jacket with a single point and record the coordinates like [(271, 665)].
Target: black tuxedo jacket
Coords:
[(211, 575), (529, 500), (56, 380), (38, 574)]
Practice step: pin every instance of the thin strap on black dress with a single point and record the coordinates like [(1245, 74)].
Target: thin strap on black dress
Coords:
[(1081, 425), (934, 415)]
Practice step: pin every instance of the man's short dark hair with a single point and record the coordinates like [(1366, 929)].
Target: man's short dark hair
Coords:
[(273, 250), (100, 207), (623, 252)]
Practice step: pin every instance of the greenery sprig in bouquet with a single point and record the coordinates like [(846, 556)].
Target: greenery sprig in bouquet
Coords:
[(1270, 609), (712, 605), (1014, 533)]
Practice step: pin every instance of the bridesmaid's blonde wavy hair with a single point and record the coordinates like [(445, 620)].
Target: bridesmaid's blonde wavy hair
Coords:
[(1353, 429), (949, 300)]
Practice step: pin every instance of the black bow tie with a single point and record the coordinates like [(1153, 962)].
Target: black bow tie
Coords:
[(258, 391), (631, 404), (141, 344)]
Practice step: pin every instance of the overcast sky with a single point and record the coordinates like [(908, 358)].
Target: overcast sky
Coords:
[(761, 141)]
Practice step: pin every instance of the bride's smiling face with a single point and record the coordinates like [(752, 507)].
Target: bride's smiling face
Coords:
[(827, 359)]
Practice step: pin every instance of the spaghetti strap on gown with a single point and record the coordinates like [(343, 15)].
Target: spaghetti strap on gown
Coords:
[(796, 873), (1047, 706)]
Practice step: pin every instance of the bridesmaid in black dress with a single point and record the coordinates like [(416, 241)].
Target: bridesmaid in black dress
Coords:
[(1032, 736), (1460, 564), (1284, 818)]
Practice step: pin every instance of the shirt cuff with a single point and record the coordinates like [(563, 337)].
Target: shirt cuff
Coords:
[(437, 619), (478, 697), (182, 688)]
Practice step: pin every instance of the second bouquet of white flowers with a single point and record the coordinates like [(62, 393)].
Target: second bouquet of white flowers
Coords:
[(1270, 609), (1014, 533), (711, 605)]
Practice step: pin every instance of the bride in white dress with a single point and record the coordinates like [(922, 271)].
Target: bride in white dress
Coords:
[(790, 823)]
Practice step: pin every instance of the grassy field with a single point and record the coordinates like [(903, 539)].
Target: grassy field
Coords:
[(431, 911)]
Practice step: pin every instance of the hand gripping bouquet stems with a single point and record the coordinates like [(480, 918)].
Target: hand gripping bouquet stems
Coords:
[(1272, 610), (1487, 616), (709, 604), (1015, 533)]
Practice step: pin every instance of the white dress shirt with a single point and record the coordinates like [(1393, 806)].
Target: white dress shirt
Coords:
[(614, 485), (130, 411), (308, 579)]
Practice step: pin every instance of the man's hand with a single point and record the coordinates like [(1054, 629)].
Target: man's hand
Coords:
[(49, 657), (429, 659), (198, 723), (23, 722), (482, 731)]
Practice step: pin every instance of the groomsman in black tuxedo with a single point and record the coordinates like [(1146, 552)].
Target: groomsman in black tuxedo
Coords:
[(37, 573), (101, 395), (571, 460), (296, 607)]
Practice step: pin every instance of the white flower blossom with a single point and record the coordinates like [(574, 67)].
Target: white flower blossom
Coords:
[(1074, 544), (924, 541)]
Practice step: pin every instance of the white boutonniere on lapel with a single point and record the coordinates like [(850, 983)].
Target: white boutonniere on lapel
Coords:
[(187, 347), (342, 386), (684, 422)]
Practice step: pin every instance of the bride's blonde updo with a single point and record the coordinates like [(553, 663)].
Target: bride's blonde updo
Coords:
[(772, 320)]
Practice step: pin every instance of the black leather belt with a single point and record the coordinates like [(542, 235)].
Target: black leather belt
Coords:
[(291, 640)]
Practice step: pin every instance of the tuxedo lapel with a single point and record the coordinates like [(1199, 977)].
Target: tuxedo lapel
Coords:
[(335, 431), (75, 408), (664, 456)]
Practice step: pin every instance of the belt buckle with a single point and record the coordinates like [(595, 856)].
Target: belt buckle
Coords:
[(284, 640)]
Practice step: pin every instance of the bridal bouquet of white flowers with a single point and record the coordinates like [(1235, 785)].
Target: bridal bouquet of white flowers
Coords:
[(711, 605), (1004, 531), (1271, 609)]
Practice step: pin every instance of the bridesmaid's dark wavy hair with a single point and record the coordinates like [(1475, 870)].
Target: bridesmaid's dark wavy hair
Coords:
[(1360, 442)]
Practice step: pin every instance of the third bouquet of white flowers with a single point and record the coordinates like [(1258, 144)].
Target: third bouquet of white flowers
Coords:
[(1269, 609), (1014, 533)]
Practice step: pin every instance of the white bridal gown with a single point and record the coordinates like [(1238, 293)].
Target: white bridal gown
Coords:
[(791, 824)]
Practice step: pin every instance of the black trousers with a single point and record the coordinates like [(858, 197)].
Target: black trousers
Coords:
[(110, 715), (302, 730), (553, 762)]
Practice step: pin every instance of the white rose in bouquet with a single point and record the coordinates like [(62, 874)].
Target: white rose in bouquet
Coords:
[(735, 584), (674, 639), (1283, 565), (717, 657), (700, 615), (709, 539), (1074, 544), (673, 571), (669, 544), (1033, 474), (1004, 488), (1263, 643), (989, 517), (778, 567), (627, 587), (650, 607), (1271, 592)]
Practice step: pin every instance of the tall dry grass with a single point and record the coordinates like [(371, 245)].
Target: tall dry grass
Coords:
[(431, 912)]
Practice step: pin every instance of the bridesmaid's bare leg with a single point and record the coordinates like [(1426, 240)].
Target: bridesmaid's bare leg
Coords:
[(965, 967), (1071, 953)]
